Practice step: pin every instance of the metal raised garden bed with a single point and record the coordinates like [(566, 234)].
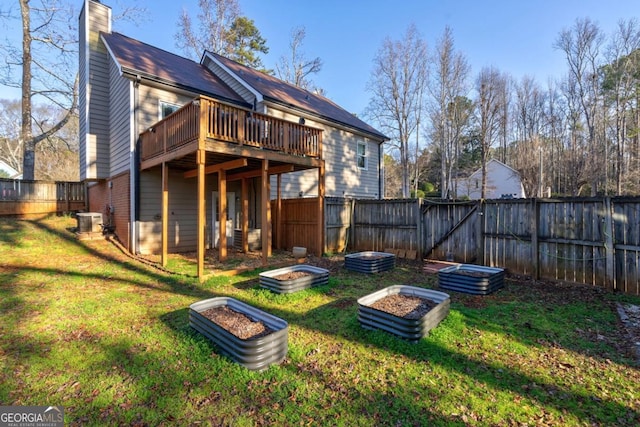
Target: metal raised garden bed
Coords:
[(370, 262), (471, 279), (313, 276), (409, 329), (255, 354)]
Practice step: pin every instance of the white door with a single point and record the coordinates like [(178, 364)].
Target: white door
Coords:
[(231, 214)]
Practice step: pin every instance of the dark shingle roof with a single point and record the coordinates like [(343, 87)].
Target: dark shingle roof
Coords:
[(136, 57), (276, 90)]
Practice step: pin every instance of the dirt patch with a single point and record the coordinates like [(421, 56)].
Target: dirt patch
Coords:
[(405, 306), (630, 316), (236, 323)]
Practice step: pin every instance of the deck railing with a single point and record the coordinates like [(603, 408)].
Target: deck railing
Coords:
[(230, 124)]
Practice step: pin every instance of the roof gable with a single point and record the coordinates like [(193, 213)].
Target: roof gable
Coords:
[(492, 164), (135, 57), (288, 95)]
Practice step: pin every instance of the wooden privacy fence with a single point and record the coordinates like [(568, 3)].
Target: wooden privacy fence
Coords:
[(594, 241), (298, 224), (24, 198)]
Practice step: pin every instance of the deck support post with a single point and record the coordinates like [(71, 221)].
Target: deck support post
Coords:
[(165, 213), (222, 215), (245, 215), (200, 154), (320, 243), (279, 214), (266, 213)]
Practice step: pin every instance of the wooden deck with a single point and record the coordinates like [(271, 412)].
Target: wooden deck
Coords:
[(206, 124), (206, 137)]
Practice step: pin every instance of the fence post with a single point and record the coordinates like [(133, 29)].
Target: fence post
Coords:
[(352, 224), (67, 194), (481, 231), (419, 229), (535, 254), (609, 247)]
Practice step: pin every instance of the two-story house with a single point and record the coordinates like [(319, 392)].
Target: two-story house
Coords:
[(178, 154)]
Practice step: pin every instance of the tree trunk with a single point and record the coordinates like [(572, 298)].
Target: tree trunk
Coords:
[(29, 159)]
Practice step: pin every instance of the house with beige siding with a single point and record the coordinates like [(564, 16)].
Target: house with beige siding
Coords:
[(182, 155)]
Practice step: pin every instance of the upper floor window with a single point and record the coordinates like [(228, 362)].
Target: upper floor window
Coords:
[(362, 155), (166, 108)]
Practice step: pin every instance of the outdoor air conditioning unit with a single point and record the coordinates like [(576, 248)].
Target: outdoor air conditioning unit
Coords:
[(89, 222)]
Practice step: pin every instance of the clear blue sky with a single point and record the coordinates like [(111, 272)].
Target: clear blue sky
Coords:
[(513, 35)]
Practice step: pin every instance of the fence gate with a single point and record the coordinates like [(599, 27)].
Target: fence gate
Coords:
[(452, 231)]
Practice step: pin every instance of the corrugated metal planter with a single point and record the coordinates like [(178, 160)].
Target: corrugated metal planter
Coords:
[(255, 354), (471, 279), (370, 262), (315, 276), (409, 329)]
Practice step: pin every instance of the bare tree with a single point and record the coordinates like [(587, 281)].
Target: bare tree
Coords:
[(397, 82), (10, 145), (527, 150), (490, 86), (581, 46), (449, 116), (392, 178), (43, 67), (221, 29), (215, 17), (621, 80), (296, 68)]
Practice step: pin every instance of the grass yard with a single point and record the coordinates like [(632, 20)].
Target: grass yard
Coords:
[(84, 326)]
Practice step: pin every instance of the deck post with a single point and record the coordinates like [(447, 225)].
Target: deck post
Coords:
[(279, 214), (266, 213), (321, 226), (165, 212), (245, 215), (201, 212), (222, 215)]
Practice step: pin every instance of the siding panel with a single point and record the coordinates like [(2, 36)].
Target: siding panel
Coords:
[(120, 131)]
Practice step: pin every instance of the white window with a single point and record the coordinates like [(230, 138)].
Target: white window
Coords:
[(361, 157), (167, 108)]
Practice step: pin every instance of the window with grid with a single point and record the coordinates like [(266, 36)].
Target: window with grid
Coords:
[(361, 157)]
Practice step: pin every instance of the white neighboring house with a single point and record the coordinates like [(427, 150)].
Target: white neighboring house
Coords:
[(13, 174), (503, 182)]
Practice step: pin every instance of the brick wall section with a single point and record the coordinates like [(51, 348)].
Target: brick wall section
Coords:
[(101, 197), (121, 207), (98, 197)]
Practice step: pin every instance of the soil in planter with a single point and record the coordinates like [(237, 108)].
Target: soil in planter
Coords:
[(405, 306), (370, 257), (292, 275), (236, 323), (473, 273)]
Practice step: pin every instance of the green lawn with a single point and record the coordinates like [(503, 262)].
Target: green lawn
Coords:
[(84, 326)]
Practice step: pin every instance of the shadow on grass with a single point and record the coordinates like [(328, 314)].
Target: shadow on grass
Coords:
[(12, 233), (262, 391), (339, 318)]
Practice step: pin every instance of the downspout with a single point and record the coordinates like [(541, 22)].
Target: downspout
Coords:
[(380, 171), (134, 175)]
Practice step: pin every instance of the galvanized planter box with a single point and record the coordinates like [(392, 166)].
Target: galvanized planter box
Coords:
[(255, 354), (370, 262), (315, 277), (409, 329), (471, 279)]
